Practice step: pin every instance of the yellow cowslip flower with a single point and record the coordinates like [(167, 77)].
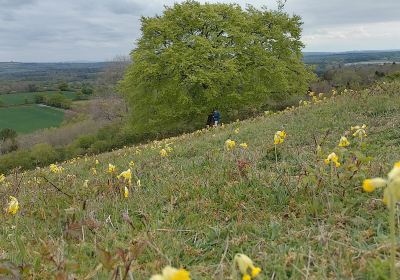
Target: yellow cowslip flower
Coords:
[(138, 183), (359, 131), (97, 162), (111, 168), (311, 94), (246, 267), (369, 185), (126, 192), (392, 184), (13, 206), (163, 153), (237, 130), (131, 164), (56, 169), (321, 95), (2, 178), (343, 142), (94, 171), (169, 149), (230, 144), (332, 158), (85, 184), (279, 137), (171, 273), (244, 145), (127, 175)]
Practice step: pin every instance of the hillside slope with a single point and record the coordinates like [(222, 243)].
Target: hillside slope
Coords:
[(200, 205)]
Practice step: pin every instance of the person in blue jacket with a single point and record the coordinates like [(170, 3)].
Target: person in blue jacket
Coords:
[(217, 117)]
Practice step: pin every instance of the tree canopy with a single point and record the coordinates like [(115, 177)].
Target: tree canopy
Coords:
[(196, 57)]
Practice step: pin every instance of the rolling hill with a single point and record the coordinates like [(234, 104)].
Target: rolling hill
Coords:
[(294, 215)]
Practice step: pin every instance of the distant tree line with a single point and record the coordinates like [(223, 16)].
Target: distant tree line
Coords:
[(355, 76), (57, 100)]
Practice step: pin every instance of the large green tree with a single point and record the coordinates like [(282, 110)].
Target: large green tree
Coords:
[(195, 57)]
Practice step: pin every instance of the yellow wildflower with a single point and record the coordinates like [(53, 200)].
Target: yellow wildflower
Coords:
[(94, 171), (237, 130), (169, 149), (131, 164), (244, 145), (138, 183), (111, 168), (171, 273), (392, 184), (56, 169), (163, 153), (343, 142), (332, 158), (85, 183), (230, 144), (126, 192), (13, 206), (246, 267), (359, 131), (2, 178), (279, 137), (127, 175), (97, 162), (369, 185)]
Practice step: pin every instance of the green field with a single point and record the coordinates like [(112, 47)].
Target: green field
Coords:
[(294, 215), (26, 119), (21, 98)]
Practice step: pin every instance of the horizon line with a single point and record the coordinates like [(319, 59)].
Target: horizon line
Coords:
[(110, 60)]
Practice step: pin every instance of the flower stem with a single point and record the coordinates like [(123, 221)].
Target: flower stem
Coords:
[(276, 156), (393, 246)]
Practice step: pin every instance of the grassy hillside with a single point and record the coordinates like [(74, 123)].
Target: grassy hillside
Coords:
[(196, 208), (25, 119)]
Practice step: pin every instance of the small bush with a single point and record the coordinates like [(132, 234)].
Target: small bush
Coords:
[(44, 154)]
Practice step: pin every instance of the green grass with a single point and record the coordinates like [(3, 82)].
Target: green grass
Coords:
[(25, 119), (201, 205), (21, 98)]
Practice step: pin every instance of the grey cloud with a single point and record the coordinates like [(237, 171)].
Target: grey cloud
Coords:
[(61, 30), (340, 12), (15, 3), (127, 7)]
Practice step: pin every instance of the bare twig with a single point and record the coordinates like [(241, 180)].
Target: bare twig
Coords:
[(308, 263), (57, 188), (223, 257), (174, 230)]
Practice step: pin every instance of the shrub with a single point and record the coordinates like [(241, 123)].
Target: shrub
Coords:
[(44, 154), (58, 100), (39, 98)]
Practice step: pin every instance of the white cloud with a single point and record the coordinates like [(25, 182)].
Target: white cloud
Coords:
[(382, 35)]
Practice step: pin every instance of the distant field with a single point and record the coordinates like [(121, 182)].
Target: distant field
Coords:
[(28, 97), (26, 119)]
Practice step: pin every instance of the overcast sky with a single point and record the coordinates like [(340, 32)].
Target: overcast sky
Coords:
[(97, 30)]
